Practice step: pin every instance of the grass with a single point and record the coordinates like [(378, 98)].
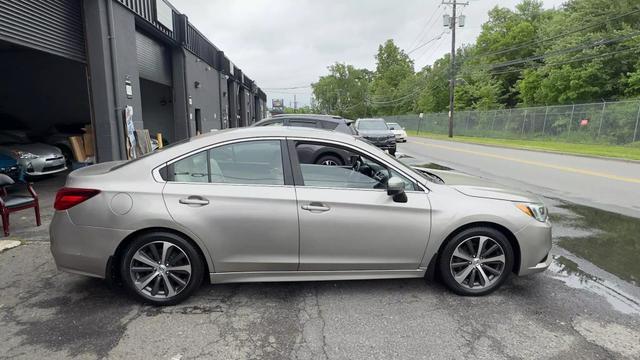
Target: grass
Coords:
[(630, 152)]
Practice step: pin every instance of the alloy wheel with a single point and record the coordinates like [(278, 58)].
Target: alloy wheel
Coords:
[(160, 270), (477, 262), (329, 162)]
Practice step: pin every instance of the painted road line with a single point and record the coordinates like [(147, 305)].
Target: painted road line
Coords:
[(536, 163)]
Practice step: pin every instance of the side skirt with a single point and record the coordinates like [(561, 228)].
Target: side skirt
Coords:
[(273, 276)]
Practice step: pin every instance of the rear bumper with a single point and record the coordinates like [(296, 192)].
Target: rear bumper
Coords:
[(535, 245), (82, 250)]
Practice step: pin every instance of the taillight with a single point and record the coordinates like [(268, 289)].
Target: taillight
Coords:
[(67, 198)]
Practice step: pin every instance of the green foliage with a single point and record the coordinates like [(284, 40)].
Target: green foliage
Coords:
[(583, 51)]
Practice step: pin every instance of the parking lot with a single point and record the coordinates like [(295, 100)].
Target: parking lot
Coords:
[(574, 309)]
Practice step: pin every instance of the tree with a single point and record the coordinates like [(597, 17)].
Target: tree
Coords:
[(343, 91), (393, 87)]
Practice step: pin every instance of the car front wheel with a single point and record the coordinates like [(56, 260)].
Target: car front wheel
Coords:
[(476, 261), (161, 268)]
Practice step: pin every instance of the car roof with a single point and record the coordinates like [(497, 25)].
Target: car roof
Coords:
[(370, 119), (331, 118)]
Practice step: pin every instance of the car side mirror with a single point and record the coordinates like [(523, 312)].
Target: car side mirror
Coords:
[(395, 188)]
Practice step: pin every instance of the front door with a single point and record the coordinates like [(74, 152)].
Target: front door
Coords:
[(235, 199), (348, 222)]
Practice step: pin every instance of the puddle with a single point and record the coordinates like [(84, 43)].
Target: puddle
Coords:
[(570, 273), (433, 166), (608, 240)]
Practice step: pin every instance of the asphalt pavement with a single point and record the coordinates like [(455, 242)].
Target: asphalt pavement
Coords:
[(583, 307), (612, 185)]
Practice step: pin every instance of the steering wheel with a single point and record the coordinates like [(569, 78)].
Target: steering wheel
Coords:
[(381, 176)]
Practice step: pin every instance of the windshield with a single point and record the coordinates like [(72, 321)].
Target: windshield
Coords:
[(393, 126), (372, 125)]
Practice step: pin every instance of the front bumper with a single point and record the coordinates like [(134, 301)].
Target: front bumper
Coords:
[(82, 250), (44, 165), (535, 244)]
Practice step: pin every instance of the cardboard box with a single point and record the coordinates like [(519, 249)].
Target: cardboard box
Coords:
[(87, 139), (77, 147)]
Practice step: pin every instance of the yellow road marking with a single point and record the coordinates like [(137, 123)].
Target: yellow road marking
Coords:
[(536, 163)]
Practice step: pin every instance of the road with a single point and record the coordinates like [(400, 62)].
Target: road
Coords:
[(606, 184)]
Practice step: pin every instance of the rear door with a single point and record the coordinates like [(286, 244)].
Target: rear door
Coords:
[(239, 199)]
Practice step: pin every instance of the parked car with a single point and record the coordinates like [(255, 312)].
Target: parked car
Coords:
[(36, 159), (240, 206), (326, 122), (398, 131), (9, 166), (377, 132), (312, 153)]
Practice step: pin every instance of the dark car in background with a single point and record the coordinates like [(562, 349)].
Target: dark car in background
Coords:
[(326, 122), (376, 131), (316, 154)]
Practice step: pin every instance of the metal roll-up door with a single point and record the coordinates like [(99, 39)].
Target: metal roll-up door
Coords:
[(54, 26), (154, 62)]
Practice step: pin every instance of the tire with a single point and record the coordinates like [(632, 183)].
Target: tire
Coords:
[(392, 152), (484, 273), (329, 160), (180, 254)]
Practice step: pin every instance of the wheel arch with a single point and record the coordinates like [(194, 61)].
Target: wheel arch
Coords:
[(112, 265), (328, 153), (513, 241)]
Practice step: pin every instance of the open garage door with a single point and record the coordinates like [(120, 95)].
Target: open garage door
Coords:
[(156, 87), (53, 26)]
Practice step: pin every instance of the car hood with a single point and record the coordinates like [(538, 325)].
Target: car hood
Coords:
[(474, 186), (35, 148), (366, 133)]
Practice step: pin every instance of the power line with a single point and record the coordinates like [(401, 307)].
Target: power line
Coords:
[(426, 24), (564, 51), (438, 37), (535, 42), (288, 88)]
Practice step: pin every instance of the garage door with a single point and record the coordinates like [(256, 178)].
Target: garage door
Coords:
[(54, 26), (154, 62)]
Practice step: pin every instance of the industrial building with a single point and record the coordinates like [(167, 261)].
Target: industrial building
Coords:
[(85, 61)]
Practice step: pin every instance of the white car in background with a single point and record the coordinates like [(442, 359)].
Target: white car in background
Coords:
[(398, 131)]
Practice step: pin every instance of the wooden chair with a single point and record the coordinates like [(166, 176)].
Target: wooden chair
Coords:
[(11, 203)]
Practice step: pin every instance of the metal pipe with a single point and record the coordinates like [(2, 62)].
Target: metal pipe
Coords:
[(635, 131), (601, 118), (115, 79)]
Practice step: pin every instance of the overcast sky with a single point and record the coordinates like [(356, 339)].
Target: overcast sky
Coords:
[(290, 43)]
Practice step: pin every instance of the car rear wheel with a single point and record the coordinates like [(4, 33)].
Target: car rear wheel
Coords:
[(329, 160), (161, 268), (476, 261)]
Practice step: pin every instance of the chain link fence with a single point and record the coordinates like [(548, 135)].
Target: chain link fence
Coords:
[(613, 123)]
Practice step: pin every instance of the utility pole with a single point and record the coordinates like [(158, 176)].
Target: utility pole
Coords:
[(295, 103), (452, 71)]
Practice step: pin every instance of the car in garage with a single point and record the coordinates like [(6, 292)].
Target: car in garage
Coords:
[(9, 166), (36, 159), (239, 206), (376, 131), (398, 131)]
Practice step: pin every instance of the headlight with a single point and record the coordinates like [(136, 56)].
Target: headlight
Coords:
[(24, 154), (536, 211)]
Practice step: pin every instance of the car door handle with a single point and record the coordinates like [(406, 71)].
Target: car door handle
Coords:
[(316, 207), (194, 200)]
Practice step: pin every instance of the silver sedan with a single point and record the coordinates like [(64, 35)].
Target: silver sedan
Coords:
[(240, 206)]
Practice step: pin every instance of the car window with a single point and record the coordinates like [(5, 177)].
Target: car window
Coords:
[(350, 170), (272, 123), (190, 169), (250, 162), (329, 125), (303, 123), (372, 125), (393, 126)]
